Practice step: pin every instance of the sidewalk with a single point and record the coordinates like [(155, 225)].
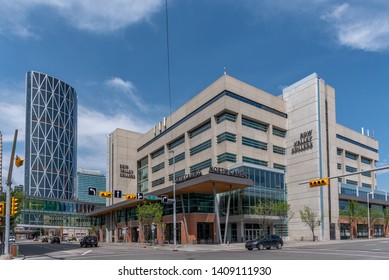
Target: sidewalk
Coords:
[(241, 246)]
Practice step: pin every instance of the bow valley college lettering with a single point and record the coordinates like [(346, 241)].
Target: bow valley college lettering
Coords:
[(304, 143), (225, 171), (125, 172)]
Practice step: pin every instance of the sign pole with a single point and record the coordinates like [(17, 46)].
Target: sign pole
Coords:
[(8, 198)]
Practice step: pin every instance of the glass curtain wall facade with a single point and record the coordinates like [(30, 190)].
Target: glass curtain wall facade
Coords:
[(268, 185), (51, 137), (90, 179)]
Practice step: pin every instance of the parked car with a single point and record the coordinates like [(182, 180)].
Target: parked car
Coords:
[(45, 239), (89, 241), (55, 239), (267, 242), (12, 239)]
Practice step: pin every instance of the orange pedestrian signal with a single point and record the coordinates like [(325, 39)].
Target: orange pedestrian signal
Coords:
[(318, 182)]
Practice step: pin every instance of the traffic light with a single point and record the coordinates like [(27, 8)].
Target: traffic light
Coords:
[(318, 182), (14, 206), (105, 194), (131, 196), (2, 209), (165, 199), (19, 161)]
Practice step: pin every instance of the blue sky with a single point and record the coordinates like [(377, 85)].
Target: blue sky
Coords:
[(114, 53)]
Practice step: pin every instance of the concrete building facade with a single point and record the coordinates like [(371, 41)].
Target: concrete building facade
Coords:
[(279, 141)]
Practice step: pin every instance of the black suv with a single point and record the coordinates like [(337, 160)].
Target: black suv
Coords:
[(55, 239), (267, 242), (89, 241)]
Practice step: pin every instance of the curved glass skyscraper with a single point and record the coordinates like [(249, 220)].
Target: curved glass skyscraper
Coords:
[(51, 137)]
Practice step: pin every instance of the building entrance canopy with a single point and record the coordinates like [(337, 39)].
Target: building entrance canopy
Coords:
[(210, 183)]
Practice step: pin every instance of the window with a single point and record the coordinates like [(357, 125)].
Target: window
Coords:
[(157, 153), (177, 158), (157, 182), (351, 182), (356, 143), (200, 166), (351, 169), (226, 157), (199, 148), (339, 151), (254, 124), (279, 166), (366, 174), (367, 186), (279, 150), (255, 161), (226, 117), (279, 132), (226, 136), (254, 143), (339, 166), (200, 129), (351, 156), (176, 143), (366, 160), (158, 167)]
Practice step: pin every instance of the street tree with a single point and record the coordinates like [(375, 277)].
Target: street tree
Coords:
[(264, 210), (350, 214), (310, 218), (386, 219), (149, 214)]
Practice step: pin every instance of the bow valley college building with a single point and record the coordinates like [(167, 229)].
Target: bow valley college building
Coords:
[(234, 146)]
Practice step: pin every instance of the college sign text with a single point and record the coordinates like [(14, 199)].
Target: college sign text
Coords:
[(304, 143), (125, 172)]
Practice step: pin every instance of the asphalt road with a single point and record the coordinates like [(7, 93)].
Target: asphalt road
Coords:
[(375, 249)]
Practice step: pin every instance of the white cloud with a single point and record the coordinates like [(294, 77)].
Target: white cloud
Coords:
[(361, 25), (100, 16), (358, 24), (93, 128), (128, 89)]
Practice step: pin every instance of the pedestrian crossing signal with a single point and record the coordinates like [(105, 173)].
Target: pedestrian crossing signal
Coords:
[(318, 182)]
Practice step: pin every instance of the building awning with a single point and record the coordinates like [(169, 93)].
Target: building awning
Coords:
[(206, 184)]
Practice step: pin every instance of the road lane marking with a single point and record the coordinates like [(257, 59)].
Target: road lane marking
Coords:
[(87, 252)]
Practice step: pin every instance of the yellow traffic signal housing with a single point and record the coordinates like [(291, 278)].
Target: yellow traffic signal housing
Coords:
[(2, 209), (19, 161), (131, 196), (14, 206), (318, 182), (105, 194)]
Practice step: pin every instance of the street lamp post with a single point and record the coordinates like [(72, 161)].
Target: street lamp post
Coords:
[(368, 215), (174, 200)]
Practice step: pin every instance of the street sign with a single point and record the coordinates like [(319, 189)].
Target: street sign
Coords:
[(152, 197), (92, 191), (117, 194), (165, 198), (139, 195)]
